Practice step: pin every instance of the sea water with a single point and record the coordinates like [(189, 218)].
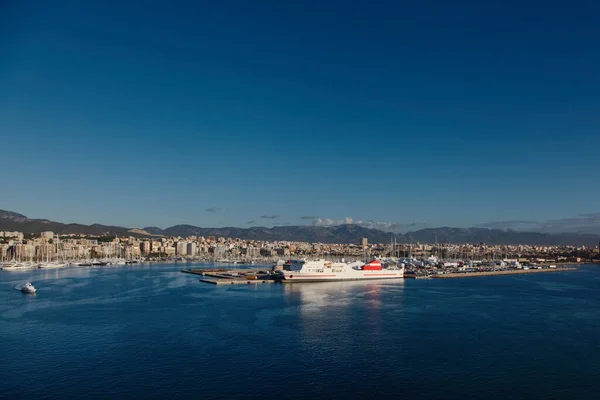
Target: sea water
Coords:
[(153, 332)]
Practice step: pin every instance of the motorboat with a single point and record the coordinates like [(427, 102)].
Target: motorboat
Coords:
[(28, 288)]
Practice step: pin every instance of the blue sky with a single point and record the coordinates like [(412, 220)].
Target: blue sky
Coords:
[(417, 112)]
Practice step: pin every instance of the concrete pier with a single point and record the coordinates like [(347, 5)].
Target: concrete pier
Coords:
[(237, 281), (495, 273), (204, 271), (220, 276)]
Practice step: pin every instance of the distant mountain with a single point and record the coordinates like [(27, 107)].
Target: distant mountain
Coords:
[(12, 216), (153, 230), (350, 233), (141, 232), (303, 233), (10, 221)]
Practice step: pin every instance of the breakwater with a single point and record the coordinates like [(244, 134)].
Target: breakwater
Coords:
[(504, 272)]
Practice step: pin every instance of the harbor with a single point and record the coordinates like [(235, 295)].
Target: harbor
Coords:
[(224, 276), (203, 326)]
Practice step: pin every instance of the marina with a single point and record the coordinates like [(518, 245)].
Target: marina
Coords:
[(223, 276)]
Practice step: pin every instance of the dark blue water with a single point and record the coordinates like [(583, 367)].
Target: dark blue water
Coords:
[(153, 332)]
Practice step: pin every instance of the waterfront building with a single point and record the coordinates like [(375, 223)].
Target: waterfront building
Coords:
[(266, 252), (145, 248), (220, 251), (283, 252), (4, 255), (84, 248), (9, 234), (181, 248), (191, 249)]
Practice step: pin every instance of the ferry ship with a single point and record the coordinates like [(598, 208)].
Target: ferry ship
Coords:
[(328, 271)]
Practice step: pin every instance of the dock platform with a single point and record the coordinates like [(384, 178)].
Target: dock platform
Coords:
[(236, 281), (205, 271), (220, 276), (451, 275), (505, 272)]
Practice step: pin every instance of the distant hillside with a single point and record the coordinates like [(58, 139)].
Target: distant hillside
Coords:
[(141, 232), (153, 230), (12, 216), (353, 233), (334, 234), (10, 221)]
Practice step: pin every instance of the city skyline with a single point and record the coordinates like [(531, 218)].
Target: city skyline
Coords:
[(222, 114)]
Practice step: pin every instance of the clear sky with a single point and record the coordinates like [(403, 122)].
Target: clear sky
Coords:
[(216, 113)]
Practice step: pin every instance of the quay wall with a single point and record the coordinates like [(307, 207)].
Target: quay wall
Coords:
[(494, 273)]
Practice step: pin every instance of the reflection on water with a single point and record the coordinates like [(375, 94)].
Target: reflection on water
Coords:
[(314, 295), (353, 306), (340, 286)]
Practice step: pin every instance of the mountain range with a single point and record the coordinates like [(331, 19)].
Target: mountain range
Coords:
[(346, 233)]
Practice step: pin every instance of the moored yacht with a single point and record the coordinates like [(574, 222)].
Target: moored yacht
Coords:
[(19, 266)]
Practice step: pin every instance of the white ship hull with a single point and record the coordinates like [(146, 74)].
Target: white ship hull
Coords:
[(322, 271), (336, 278)]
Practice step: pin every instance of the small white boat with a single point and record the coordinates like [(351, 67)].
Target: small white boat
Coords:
[(28, 288)]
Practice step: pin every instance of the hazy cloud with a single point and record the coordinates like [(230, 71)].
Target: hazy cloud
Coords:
[(516, 224), (214, 209), (417, 225), (594, 216), (271, 216), (309, 217), (251, 222), (331, 222), (583, 223), (395, 227)]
